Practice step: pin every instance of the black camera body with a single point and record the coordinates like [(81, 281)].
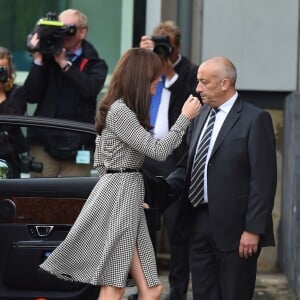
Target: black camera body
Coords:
[(162, 46), (3, 74), (27, 164), (51, 33)]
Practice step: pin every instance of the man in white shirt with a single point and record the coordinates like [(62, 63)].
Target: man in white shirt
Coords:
[(179, 78)]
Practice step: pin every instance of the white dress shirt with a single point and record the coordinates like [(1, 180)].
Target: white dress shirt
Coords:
[(161, 127), (223, 111)]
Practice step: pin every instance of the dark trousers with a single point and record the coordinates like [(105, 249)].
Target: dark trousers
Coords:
[(179, 271), (218, 275)]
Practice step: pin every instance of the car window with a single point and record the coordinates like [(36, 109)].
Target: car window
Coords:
[(35, 151), (36, 214)]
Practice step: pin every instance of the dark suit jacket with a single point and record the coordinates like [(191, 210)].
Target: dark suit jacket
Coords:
[(241, 175)]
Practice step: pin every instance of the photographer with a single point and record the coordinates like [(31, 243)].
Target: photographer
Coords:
[(65, 80), (179, 79), (12, 101)]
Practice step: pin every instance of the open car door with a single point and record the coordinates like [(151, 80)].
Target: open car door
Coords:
[(35, 216)]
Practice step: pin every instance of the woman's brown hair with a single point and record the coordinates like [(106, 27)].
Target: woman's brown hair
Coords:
[(131, 81), (6, 54)]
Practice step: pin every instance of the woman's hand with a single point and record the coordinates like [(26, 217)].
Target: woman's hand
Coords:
[(191, 107), (145, 205)]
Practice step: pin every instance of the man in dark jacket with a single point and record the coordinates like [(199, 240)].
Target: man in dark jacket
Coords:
[(227, 183), (65, 85)]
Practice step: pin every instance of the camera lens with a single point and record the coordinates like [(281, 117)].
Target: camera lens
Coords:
[(36, 167), (70, 29), (162, 46), (162, 51)]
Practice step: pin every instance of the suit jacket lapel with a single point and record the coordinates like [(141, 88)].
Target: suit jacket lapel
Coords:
[(230, 120)]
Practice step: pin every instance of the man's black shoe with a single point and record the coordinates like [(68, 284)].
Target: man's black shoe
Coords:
[(133, 297)]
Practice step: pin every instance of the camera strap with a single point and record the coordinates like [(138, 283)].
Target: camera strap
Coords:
[(83, 63)]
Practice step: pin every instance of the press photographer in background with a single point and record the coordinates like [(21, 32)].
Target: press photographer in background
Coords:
[(12, 101), (64, 81), (178, 80)]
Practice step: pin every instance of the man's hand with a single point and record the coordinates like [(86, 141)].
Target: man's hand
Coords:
[(33, 45), (61, 58), (146, 42), (248, 244)]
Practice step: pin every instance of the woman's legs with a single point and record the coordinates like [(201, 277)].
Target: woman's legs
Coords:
[(111, 293), (144, 291)]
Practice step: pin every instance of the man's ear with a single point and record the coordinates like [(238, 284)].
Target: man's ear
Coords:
[(225, 84), (83, 33)]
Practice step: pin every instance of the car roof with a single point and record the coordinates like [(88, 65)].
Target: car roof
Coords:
[(32, 121)]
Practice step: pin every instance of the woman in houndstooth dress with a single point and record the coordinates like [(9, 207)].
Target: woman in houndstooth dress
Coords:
[(110, 237)]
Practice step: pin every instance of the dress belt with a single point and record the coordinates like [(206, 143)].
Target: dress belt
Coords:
[(122, 171)]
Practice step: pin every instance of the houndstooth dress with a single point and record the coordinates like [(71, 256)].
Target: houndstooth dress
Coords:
[(99, 247)]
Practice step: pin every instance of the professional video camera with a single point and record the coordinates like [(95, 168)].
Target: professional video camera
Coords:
[(3, 74), (162, 46), (51, 33)]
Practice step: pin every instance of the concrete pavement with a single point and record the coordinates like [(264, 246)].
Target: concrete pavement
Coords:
[(268, 287), (273, 286)]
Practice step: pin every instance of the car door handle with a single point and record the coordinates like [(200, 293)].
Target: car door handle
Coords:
[(43, 230)]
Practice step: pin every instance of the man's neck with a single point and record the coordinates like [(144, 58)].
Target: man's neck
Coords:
[(75, 48)]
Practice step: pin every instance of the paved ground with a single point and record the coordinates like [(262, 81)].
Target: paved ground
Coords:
[(273, 286), (268, 287)]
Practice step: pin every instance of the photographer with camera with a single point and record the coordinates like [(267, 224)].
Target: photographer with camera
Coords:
[(178, 80), (12, 101), (65, 80)]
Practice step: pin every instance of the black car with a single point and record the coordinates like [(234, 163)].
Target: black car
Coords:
[(35, 216)]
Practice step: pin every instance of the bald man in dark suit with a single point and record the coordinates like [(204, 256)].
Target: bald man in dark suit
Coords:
[(228, 206)]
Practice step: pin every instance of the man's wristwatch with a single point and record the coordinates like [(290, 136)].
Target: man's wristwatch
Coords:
[(67, 66)]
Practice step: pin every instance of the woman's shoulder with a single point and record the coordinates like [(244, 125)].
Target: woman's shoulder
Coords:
[(119, 107), (118, 104), (120, 113)]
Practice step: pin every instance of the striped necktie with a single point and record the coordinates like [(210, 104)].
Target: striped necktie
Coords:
[(196, 190)]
